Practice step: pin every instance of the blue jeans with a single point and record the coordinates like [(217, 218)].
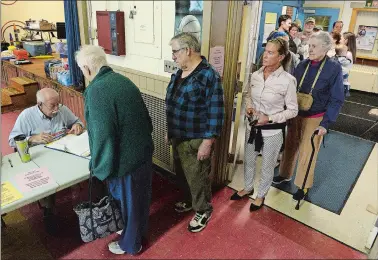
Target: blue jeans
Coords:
[(133, 193)]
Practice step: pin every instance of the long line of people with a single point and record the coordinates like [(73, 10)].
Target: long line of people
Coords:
[(284, 94)]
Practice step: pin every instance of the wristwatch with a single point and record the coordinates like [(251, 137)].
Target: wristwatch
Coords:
[(270, 120)]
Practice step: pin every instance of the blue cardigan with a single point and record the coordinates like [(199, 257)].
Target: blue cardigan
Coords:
[(328, 93)]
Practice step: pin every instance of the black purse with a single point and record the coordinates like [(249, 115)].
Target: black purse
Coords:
[(98, 220)]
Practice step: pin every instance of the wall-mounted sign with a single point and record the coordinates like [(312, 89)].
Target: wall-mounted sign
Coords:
[(366, 37)]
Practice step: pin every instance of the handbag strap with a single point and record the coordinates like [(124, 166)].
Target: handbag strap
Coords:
[(90, 205), (316, 77)]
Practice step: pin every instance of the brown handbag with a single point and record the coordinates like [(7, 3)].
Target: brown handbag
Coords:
[(305, 100)]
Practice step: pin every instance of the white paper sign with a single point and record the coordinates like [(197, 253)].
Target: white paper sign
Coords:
[(268, 28), (216, 58), (34, 179)]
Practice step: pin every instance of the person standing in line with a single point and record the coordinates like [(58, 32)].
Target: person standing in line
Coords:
[(293, 31), (337, 27), (320, 77), (349, 39), (304, 36), (341, 51), (270, 100), (120, 142), (195, 116), (285, 22)]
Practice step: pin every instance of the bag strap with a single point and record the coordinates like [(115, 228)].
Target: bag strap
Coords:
[(90, 205), (316, 77), (94, 235)]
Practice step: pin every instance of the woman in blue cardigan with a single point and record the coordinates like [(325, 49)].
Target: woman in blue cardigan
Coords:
[(322, 78)]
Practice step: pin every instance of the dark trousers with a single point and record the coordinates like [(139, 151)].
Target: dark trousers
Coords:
[(193, 175), (133, 192)]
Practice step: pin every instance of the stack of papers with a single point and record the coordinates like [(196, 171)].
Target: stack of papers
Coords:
[(73, 144)]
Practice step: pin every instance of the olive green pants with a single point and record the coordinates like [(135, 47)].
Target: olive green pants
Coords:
[(192, 174)]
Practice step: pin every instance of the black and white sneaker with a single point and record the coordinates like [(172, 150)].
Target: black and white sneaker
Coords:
[(199, 222), (182, 207), (279, 179)]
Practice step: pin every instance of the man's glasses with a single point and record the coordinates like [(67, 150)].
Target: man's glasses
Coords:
[(176, 51), (54, 107)]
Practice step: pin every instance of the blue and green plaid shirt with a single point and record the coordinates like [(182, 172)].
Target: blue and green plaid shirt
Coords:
[(195, 108)]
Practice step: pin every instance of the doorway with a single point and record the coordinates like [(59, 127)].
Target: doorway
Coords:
[(324, 17)]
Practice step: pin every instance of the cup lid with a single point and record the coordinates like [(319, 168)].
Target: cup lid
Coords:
[(20, 138)]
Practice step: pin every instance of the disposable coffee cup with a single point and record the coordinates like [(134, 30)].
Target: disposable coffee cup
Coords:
[(22, 148)]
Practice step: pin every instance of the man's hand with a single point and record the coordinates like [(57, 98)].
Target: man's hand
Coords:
[(42, 138), (322, 130), (249, 111), (204, 149), (76, 129)]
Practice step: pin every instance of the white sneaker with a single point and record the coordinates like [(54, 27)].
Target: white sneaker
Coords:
[(116, 249), (199, 222), (119, 232)]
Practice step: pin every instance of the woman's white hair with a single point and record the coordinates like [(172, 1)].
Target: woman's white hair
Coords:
[(325, 38), (91, 56)]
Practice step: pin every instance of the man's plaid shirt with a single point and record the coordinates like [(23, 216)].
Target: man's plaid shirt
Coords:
[(195, 108)]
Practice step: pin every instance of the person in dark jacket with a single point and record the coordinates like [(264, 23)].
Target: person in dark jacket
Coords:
[(322, 77), (284, 23), (120, 142)]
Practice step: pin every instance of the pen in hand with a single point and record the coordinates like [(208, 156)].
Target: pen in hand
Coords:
[(10, 162)]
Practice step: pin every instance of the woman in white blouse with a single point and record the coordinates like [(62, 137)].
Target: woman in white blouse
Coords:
[(270, 101)]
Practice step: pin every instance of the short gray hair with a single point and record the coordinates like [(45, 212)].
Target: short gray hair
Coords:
[(187, 40), (92, 56), (41, 94), (40, 97), (324, 38)]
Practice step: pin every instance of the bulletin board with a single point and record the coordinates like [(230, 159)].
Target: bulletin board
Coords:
[(365, 17)]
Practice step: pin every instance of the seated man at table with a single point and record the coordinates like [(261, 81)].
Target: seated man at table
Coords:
[(41, 124)]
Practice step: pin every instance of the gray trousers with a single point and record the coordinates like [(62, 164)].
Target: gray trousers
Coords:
[(270, 153), (193, 175)]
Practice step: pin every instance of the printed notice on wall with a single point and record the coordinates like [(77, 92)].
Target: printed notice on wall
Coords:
[(9, 193), (34, 179), (268, 28), (270, 18), (216, 58)]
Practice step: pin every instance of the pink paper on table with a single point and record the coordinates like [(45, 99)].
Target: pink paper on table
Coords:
[(34, 179)]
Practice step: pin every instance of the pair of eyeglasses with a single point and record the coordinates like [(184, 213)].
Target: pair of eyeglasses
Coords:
[(176, 51), (57, 106)]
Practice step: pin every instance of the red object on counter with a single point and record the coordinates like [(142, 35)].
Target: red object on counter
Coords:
[(21, 54)]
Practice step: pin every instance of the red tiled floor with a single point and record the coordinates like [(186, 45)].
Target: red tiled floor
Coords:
[(7, 123), (233, 232)]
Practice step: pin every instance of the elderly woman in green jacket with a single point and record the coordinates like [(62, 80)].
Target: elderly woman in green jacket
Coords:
[(120, 141)]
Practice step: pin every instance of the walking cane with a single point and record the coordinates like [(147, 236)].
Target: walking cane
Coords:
[(309, 164)]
